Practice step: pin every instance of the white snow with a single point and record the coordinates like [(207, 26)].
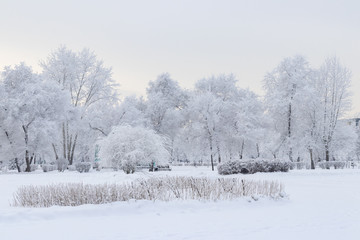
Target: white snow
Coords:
[(321, 204)]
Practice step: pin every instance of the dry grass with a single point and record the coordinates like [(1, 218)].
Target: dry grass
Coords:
[(163, 189)]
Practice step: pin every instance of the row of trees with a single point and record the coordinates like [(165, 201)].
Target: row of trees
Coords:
[(63, 112)]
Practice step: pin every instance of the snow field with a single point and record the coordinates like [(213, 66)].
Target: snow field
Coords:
[(321, 204)]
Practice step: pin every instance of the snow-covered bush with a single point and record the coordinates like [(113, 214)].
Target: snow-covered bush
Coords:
[(49, 167), (62, 164), (83, 166), (97, 166), (126, 147), (298, 165), (33, 167), (128, 166), (332, 164), (339, 165), (163, 189), (13, 164), (252, 166), (71, 168)]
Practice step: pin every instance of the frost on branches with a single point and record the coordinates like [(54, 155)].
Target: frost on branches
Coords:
[(126, 147)]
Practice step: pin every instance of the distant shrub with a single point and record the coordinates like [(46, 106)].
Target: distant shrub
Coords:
[(33, 167), (252, 166), (13, 163), (332, 164), (83, 166), (298, 165), (97, 166), (49, 167), (163, 189), (128, 166), (71, 168), (62, 164), (339, 165)]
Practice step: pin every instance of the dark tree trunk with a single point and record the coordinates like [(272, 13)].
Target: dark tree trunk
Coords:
[(289, 131), (71, 160), (27, 157), (56, 155), (17, 164), (68, 144), (219, 155), (242, 150), (327, 153), (312, 159), (64, 140), (211, 155), (27, 161)]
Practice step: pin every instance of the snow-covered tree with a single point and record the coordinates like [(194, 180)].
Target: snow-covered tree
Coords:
[(224, 121), (286, 89), (164, 108), (30, 108), (306, 105), (335, 82), (126, 146), (89, 83)]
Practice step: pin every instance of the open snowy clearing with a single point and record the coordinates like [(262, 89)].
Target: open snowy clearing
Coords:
[(321, 204)]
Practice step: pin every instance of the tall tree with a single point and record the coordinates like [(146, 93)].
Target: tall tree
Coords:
[(30, 107), (164, 108), (88, 81), (335, 81), (285, 89), (224, 122)]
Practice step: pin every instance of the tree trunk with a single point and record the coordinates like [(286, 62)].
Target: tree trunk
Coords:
[(64, 140), (56, 155), (27, 157), (327, 153), (289, 132), (27, 161), (219, 155), (242, 150), (211, 155), (17, 164), (68, 144), (258, 150), (71, 160), (312, 159)]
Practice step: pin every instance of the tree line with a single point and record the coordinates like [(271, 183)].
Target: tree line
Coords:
[(72, 104)]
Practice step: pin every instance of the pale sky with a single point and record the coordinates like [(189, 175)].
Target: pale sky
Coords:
[(188, 39)]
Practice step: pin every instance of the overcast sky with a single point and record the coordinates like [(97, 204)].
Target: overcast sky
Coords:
[(188, 39)]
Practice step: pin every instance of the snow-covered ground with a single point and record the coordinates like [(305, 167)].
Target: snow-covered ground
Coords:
[(321, 204)]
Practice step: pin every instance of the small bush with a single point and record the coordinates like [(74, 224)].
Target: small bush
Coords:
[(71, 168), (83, 166), (339, 165), (298, 165), (252, 166), (332, 164), (62, 164), (97, 166), (163, 189), (33, 167), (128, 166), (49, 167)]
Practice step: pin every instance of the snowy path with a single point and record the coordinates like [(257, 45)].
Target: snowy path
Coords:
[(321, 205)]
